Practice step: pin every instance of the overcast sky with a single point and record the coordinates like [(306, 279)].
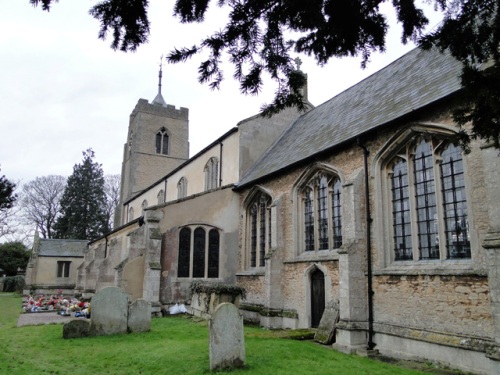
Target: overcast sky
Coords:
[(63, 90)]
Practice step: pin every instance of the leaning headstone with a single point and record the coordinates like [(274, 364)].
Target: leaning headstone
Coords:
[(76, 328), (109, 312), (139, 316), (227, 343), (325, 334)]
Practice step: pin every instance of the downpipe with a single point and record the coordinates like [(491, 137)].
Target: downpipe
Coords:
[(369, 220)]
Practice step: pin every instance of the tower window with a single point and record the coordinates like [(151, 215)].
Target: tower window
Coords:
[(162, 142)]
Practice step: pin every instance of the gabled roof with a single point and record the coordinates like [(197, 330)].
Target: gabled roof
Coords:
[(62, 248), (412, 82)]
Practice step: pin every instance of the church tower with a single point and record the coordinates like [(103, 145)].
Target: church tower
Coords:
[(157, 143)]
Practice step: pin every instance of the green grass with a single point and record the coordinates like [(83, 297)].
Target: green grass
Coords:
[(175, 345)]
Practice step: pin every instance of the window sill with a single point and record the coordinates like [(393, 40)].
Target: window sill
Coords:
[(315, 256), (258, 271), (432, 267)]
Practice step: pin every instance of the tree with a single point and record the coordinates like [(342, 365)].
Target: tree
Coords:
[(40, 202), (13, 255), (112, 190), (261, 35), (7, 196), (7, 199), (83, 203)]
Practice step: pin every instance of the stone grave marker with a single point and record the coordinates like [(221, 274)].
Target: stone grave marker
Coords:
[(227, 343), (109, 312), (76, 328), (325, 334), (139, 316)]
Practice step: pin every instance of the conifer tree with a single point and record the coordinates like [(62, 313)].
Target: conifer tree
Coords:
[(83, 204)]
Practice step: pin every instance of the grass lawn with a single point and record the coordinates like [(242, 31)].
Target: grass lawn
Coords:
[(175, 345)]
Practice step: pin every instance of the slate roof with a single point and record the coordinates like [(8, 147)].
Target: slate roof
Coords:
[(411, 82), (62, 248)]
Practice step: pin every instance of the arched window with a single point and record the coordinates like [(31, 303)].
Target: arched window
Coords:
[(427, 183), (130, 214), (211, 174), (259, 228), (198, 252), (161, 197), (321, 212), (144, 205), (182, 188), (161, 142)]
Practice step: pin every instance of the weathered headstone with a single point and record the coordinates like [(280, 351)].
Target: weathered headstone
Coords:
[(227, 342), (76, 328), (109, 312), (139, 316), (325, 334)]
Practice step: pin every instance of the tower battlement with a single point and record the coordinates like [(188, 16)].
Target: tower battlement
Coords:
[(157, 109)]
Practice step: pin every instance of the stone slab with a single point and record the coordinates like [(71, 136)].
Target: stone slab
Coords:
[(76, 328), (139, 316), (227, 341), (109, 312), (325, 334)]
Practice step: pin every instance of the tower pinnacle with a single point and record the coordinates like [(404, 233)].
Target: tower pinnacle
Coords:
[(159, 98)]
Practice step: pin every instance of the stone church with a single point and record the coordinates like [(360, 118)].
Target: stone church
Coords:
[(365, 201)]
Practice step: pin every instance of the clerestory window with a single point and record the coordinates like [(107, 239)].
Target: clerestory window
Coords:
[(182, 188), (211, 174), (429, 205), (322, 212)]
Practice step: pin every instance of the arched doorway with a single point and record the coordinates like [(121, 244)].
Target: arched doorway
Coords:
[(317, 297)]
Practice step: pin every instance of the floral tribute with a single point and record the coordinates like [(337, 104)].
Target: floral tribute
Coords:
[(63, 305)]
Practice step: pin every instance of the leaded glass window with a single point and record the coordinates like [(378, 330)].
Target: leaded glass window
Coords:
[(211, 174), (184, 252), (259, 229), (401, 211), (429, 204), (455, 203), (199, 252), (322, 212)]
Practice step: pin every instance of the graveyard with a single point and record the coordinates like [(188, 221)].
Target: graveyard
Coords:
[(177, 344)]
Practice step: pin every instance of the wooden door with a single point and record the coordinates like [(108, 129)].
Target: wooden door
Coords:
[(317, 297)]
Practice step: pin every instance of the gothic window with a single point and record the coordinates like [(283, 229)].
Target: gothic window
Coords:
[(130, 214), (161, 197), (161, 142), (182, 188), (322, 212), (429, 207), (259, 220), (144, 205), (211, 174), (198, 252), (63, 268)]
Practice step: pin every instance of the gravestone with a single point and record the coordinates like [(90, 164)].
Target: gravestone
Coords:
[(109, 312), (76, 328), (325, 334), (139, 316), (227, 343)]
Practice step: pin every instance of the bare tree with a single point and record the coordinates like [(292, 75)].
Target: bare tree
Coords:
[(112, 190), (40, 202)]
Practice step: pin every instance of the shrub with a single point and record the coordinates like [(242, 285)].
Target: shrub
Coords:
[(13, 284)]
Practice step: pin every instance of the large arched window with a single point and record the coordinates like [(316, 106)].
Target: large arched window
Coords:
[(427, 185), (321, 212), (259, 228), (161, 142), (211, 174), (182, 188), (199, 249)]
